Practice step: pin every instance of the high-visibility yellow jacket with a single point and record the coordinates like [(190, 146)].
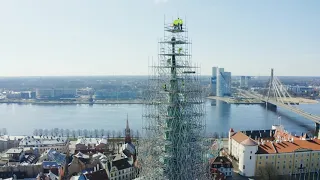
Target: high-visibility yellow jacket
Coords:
[(175, 22), (180, 21)]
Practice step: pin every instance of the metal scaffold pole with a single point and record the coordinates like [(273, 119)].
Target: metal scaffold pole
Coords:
[(173, 146)]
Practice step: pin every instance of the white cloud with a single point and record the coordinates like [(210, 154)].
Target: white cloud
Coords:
[(160, 1)]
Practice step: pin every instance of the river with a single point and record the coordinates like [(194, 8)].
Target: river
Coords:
[(220, 116)]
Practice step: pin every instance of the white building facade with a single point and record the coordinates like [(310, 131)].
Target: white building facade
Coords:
[(247, 159)]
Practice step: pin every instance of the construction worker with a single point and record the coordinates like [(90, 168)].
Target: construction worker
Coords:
[(176, 24), (180, 23), (165, 87), (169, 61), (179, 50)]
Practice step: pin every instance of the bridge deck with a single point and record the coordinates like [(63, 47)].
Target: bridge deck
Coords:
[(294, 109)]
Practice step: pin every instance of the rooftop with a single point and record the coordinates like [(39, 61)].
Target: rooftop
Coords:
[(12, 138), (97, 175), (87, 141), (49, 165), (121, 162), (14, 151), (53, 155), (239, 137), (254, 134), (43, 140), (221, 161), (289, 146), (249, 142)]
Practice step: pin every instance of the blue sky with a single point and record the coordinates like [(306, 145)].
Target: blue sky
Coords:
[(116, 37)]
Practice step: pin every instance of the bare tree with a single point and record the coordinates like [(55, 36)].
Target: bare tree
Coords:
[(85, 133), (4, 131), (96, 133), (268, 172), (137, 134), (55, 131), (61, 132), (35, 132), (131, 132), (119, 133), (221, 135), (108, 134), (102, 133), (46, 132), (40, 132), (79, 132), (91, 133), (73, 133), (67, 132), (51, 132), (113, 134), (215, 135)]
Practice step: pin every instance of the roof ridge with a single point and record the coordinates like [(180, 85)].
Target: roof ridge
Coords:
[(274, 148)]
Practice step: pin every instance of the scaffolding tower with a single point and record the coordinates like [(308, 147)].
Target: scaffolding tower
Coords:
[(174, 128)]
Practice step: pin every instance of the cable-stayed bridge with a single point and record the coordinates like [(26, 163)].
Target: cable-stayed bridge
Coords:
[(278, 96)]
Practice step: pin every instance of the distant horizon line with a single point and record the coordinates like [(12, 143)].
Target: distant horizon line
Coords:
[(136, 76)]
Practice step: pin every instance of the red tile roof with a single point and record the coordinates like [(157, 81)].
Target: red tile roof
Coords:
[(287, 146), (239, 137), (249, 142)]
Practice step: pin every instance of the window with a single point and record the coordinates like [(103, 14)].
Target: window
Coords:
[(244, 166), (250, 152), (259, 162), (289, 166), (250, 157), (278, 156), (266, 157), (278, 167), (260, 157)]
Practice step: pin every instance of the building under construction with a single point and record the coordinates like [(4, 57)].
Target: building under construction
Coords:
[(173, 144)]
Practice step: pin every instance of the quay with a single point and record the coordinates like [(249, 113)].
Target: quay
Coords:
[(233, 100), (71, 102)]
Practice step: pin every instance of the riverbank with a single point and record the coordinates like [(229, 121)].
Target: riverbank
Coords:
[(301, 100), (136, 101), (230, 100)]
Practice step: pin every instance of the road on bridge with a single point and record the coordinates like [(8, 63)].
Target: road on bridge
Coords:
[(289, 107)]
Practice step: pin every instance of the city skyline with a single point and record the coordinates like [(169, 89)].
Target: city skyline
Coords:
[(116, 38)]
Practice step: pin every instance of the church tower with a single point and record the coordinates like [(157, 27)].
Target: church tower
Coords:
[(128, 133)]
